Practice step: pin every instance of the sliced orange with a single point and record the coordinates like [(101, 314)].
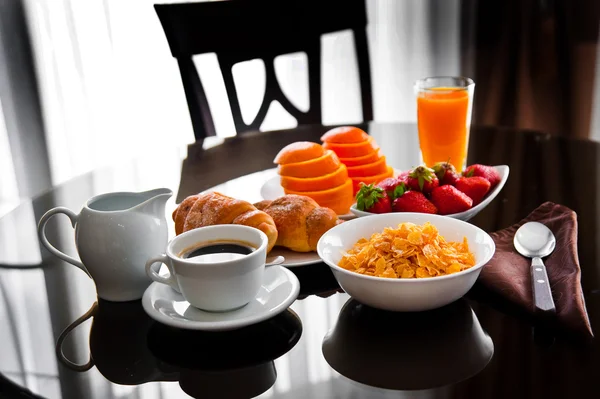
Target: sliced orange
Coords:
[(338, 198), (341, 205), (299, 151), (354, 149), (356, 161), (371, 179), (325, 182), (326, 164), (345, 134), (371, 169)]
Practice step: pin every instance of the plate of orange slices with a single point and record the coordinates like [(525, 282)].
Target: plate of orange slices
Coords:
[(331, 172)]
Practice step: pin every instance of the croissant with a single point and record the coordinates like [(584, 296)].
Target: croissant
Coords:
[(300, 221), (215, 208)]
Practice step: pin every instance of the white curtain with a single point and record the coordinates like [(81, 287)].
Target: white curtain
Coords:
[(8, 183)]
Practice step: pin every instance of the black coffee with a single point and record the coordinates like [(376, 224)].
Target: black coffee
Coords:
[(217, 251)]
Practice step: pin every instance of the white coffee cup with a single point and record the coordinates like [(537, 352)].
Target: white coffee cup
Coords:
[(219, 286)]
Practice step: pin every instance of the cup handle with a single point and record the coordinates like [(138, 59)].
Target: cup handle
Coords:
[(59, 342), (170, 281), (50, 247)]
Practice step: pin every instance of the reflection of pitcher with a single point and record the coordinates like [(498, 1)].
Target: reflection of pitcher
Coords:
[(115, 234)]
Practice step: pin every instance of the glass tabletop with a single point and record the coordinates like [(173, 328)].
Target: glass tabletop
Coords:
[(326, 345)]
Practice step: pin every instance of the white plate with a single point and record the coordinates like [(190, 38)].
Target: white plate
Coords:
[(271, 189), (466, 215), (280, 288), (295, 259)]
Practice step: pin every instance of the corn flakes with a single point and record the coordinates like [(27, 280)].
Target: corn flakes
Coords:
[(410, 251)]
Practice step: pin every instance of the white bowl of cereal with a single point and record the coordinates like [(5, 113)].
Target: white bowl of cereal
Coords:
[(406, 262)]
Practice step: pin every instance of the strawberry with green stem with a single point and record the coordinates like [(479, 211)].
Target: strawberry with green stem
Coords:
[(445, 172), (422, 179), (373, 199), (393, 186)]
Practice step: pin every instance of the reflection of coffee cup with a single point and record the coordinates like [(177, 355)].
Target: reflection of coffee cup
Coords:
[(247, 382), (226, 364), (408, 351), (215, 281), (130, 348)]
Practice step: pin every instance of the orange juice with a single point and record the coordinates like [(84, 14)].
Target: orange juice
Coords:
[(442, 114)]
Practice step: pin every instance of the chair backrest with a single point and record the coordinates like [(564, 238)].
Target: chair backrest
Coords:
[(239, 30)]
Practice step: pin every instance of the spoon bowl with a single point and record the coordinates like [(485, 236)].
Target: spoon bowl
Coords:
[(535, 240)]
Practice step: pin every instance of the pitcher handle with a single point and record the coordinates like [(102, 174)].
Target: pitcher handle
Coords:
[(59, 342), (50, 247), (170, 281)]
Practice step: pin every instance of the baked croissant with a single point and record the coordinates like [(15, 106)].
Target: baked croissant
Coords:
[(300, 221), (215, 208)]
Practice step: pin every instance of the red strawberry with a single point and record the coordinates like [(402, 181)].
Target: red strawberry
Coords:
[(446, 173), (390, 185), (475, 187), (448, 200), (487, 172), (373, 199), (422, 179), (403, 177), (413, 201)]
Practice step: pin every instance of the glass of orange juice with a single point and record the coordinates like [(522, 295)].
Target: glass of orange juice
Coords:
[(444, 117)]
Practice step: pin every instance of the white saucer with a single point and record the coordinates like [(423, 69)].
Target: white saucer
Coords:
[(280, 288)]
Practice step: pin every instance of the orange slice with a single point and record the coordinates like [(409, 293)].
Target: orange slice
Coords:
[(354, 149), (338, 198), (371, 169), (299, 151), (345, 134), (325, 182), (356, 161), (341, 205), (370, 179), (326, 164)]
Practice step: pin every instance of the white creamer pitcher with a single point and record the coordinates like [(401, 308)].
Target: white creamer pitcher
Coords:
[(115, 234)]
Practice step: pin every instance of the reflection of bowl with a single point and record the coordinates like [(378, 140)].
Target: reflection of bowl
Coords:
[(397, 293), (407, 351), (469, 214)]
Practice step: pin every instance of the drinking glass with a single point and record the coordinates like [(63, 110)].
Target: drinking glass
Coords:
[(444, 106)]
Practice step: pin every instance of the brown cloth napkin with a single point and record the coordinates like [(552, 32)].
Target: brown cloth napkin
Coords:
[(508, 273)]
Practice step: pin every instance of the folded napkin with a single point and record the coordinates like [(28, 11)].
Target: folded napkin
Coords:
[(508, 273)]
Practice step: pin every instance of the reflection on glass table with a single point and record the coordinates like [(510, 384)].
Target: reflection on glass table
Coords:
[(129, 348), (408, 351)]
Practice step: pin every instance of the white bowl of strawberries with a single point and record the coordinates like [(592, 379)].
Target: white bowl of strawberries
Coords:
[(438, 190)]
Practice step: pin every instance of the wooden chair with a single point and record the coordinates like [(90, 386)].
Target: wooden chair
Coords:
[(243, 30)]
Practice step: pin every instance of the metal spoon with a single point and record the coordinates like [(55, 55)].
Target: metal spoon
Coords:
[(535, 240), (277, 260)]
